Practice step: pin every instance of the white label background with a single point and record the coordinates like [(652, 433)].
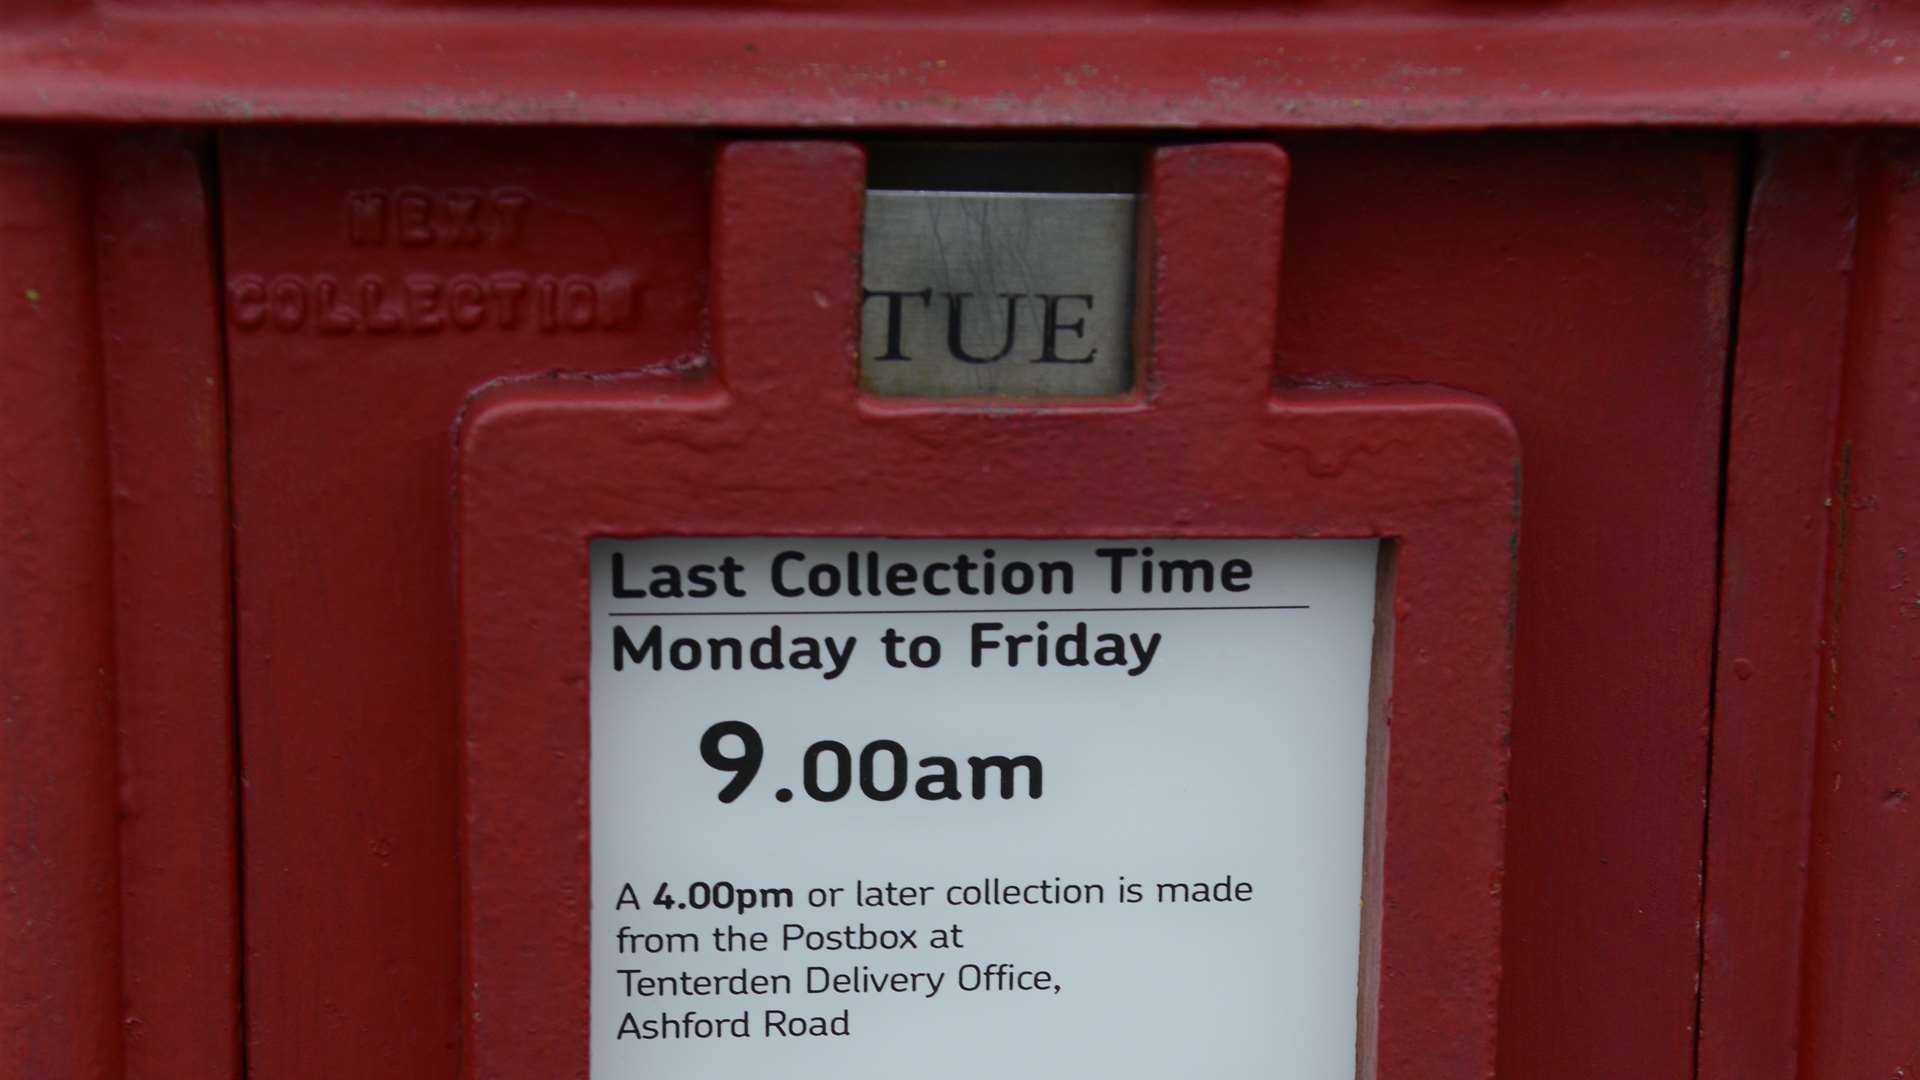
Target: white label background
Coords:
[(1240, 751)]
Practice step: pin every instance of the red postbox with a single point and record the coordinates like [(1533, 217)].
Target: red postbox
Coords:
[(329, 392)]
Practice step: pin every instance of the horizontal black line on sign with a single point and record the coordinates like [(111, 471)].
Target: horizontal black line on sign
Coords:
[(960, 611)]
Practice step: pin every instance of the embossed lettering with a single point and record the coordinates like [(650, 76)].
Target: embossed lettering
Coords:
[(463, 218), (507, 289), (334, 317), (366, 218), (247, 301), (578, 303), (376, 314), (466, 302), (287, 302), (423, 304), (546, 299), (413, 217), (510, 211), (427, 303), (619, 301), (418, 217)]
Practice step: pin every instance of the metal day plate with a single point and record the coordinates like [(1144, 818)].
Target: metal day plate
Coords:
[(997, 294)]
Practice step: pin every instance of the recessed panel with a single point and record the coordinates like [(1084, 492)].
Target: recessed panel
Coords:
[(997, 294)]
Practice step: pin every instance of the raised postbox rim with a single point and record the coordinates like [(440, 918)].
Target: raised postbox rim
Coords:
[(783, 443)]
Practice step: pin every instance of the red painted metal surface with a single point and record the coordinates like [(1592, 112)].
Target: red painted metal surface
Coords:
[(1581, 283), (783, 443), (1579, 280), (1416, 64), (1813, 888), (1773, 602), (60, 938), (373, 281), (118, 895), (173, 611), (1861, 1004), (1499, 265)]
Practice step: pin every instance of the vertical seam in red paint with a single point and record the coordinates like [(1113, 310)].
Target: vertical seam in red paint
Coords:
[(217, 259), (1862, 305), (1745, 191), (90, 211)]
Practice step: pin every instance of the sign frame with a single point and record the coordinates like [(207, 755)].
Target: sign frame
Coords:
[(783, 443)]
